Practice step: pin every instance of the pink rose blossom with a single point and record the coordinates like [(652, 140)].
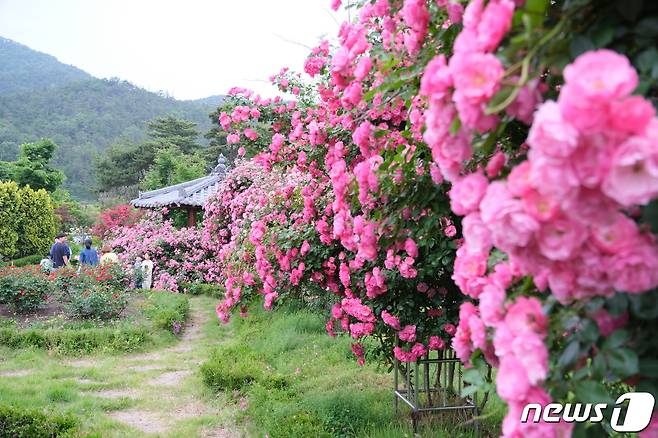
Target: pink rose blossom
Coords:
[(391, 320), (467, 192), (408, 333)]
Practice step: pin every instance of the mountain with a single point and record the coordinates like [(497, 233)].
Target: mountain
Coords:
[(214, 100), (84, 115), (24, 69)]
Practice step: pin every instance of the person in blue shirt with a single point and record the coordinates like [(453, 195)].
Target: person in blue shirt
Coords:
[(60, 252), (88, 256)]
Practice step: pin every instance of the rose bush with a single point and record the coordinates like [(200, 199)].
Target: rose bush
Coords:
[(24, 289), (546, 153), (504, 148), (179, 255)]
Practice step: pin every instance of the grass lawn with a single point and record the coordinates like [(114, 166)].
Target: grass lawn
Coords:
[(273, 372), (288, 378), (154, 393)]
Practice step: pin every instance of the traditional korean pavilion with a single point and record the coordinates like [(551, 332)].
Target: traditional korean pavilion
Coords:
[(190, 195)]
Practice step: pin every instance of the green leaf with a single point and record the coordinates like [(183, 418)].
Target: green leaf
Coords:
[(602, 36), (589, 331), (455, 125), (570, 354), (649, 367), (616, 340), (645, 305), (623, 362), (650, 212), (579, 45), (645, 62), (591, 391)]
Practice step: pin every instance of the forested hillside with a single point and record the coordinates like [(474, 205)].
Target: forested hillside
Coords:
[(24, 69), (40, 97)]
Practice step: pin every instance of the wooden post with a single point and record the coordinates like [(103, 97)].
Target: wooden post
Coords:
[(191, 217)]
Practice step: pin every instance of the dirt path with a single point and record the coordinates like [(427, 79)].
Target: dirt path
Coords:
[(162, 390)]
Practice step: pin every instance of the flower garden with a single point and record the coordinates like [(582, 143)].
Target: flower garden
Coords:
[(478, 177)]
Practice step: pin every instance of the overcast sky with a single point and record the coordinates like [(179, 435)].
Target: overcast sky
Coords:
[(188, 48)]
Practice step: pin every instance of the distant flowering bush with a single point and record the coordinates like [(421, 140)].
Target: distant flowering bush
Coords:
[(178, 254), (119, 216)]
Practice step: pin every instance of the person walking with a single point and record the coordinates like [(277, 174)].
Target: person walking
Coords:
[(147, 269), (60, 252), (108, 256)]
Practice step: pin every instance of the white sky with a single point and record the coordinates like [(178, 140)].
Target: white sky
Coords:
[(188, 48)]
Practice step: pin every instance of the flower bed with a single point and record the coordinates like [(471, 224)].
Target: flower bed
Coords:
[(150, 319)]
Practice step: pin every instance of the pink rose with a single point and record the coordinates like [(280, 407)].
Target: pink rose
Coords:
[(551, 133), (467, 192), (633, 176), (390, 320), (476, 75), (476, 234), (408, 333), (560, 238)]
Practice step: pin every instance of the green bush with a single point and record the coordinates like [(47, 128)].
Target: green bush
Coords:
[(9, 215), (88, 336), (23, 289), (211, 290), (37, 224), (77, 341), (23, 261), (97, 302), (297, 425), (167, 310), (232, 367), (25, 423), (344, 413), (27, 221)]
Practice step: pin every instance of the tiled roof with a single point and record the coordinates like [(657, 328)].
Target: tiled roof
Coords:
[(189, 194)]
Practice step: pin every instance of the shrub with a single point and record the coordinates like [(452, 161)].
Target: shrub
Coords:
[(125, 338), (97, 301), (9, 213), (69, 282), (23, 261), (211, 290), (117, 216), (298, 424), (37, 224), (26, 423), (167, 310), (23, 289), (27, 221), (231, 367)]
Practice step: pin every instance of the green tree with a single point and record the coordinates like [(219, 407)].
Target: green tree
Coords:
[(9, 214), (37, 225), (171, 131), (124, 164), (173, 167), (127, 164), (33, 166)]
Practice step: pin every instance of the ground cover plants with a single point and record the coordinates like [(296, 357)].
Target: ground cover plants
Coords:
[(288, 378)]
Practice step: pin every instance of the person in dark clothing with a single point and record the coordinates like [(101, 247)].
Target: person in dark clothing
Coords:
[(89, 255), (60, 252)]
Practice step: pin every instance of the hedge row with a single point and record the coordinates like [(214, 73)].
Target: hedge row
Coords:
[(24, 261)]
